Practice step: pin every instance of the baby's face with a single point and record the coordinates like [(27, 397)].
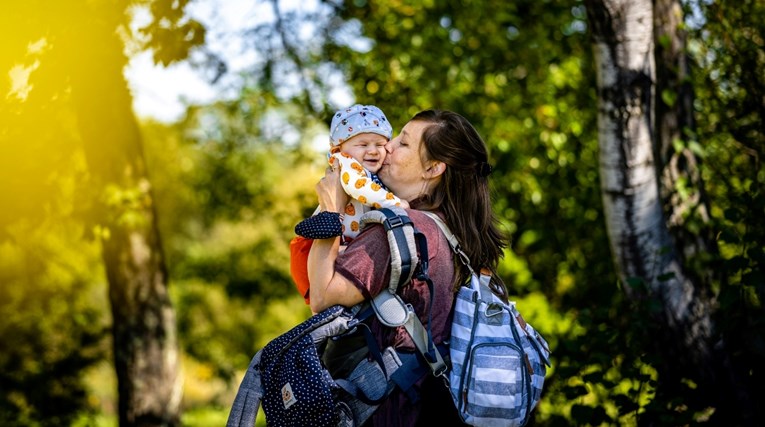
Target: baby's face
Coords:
[(368, 149)]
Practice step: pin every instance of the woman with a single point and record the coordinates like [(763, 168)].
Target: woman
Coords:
[(437, 163)]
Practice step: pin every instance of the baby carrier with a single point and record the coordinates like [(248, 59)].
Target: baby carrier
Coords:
[(297, 379)]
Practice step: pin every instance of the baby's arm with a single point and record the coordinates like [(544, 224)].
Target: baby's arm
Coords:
[(360, 187)]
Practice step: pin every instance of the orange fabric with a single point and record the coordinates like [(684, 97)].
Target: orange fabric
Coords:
[(299, 248)]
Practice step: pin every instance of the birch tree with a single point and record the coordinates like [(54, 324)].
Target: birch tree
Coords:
[(640, 241), (639, 169)]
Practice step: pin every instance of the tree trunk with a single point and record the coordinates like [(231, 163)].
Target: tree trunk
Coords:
[(642, 246), (144, 330), (684, 196), (681, 187)]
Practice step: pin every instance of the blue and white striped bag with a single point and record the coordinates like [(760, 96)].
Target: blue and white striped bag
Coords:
[(498, 360)]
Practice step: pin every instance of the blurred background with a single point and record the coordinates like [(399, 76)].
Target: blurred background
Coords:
[(155, 156)]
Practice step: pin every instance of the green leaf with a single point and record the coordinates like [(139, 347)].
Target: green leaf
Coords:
[(669, 97), (637, 283), (666, 276)]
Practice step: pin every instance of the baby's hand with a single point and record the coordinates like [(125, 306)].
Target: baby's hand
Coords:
[(404, 204)]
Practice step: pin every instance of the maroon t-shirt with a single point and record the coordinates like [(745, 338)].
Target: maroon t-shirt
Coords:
[(366, 263)]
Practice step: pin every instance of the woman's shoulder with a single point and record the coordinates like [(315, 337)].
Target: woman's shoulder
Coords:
[(424, 216), (422, 221), (425, 222)]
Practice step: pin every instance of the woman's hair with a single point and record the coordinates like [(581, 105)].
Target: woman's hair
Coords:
[(463, 193)]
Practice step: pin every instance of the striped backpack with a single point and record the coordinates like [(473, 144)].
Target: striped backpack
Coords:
[(498, 360)]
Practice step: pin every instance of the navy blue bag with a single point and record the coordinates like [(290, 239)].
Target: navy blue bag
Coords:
[(287, 363), (297, 388)]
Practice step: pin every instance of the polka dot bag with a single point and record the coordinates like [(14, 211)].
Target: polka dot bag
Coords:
[(297, 389)]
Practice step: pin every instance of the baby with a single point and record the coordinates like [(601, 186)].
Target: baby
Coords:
[(357, 137)]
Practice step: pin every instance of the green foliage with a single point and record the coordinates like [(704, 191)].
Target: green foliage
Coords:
[(729, 53), (171, 34), (522, 82), (204, 417), (231, 181), (54, 323), (52, 285)]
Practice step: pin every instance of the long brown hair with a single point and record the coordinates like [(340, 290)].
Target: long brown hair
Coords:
[(463, 193)]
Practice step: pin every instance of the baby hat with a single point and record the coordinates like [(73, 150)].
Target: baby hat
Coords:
[(351, 121)]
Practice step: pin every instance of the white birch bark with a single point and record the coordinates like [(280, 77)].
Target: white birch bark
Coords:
[(639, 237)]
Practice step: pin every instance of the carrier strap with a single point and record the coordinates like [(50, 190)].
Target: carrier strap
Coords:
[(484, 276), (409, 257), (413, 367), (400, 232), (453, 242)]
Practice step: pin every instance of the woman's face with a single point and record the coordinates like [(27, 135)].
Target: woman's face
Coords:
[(403, 170)]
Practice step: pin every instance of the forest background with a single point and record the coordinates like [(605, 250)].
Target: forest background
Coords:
[(143, 263)]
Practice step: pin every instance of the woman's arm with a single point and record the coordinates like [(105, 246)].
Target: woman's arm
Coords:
[(327, 287)]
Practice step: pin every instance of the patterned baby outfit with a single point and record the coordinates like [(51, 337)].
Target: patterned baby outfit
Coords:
[(367, 193), (365, 190)]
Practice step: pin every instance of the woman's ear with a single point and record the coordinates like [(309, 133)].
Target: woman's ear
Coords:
[(436, 169)]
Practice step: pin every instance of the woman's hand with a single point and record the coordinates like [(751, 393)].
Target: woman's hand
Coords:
[(332, 196), (328, 288)]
